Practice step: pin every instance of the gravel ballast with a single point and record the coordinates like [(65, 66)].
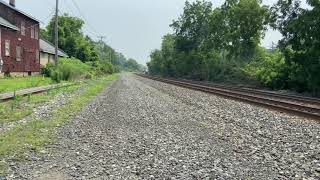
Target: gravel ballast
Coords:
[(142, 129)]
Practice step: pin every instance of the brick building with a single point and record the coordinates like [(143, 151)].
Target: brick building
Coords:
[(19, 41)]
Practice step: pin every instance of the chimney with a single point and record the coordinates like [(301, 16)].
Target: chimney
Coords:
[(12, 3)]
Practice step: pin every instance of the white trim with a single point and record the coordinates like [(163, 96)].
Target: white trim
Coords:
[(32, 32), (15, 9), (7, 24), (23, 28), (7, 48), (18, 53)]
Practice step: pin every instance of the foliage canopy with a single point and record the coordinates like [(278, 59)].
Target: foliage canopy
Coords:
[(223, 44)]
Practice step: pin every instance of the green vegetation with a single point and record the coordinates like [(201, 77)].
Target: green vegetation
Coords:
[(223, 44), (300, 44), (10, 84), (68, 70), (3, 168), (132, 65), (93, 64), (21, 107), (71, 69), (18, 141), (13, 111), (118, 60), (72, 40)]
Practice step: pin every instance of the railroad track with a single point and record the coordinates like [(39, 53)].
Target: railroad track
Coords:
[(302, 106)]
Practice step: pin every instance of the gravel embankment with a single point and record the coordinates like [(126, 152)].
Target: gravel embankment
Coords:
[(42, 111), (142, 129)]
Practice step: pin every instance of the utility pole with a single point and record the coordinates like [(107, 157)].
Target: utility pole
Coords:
[(101, 38), (101, 45), (56, 57)]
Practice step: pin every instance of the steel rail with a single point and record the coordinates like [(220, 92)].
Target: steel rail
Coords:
[(277, 104), (300, 99)]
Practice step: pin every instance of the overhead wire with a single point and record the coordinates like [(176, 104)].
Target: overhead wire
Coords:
[(84, 17), (41, 21), (71, 12), (90, 28)]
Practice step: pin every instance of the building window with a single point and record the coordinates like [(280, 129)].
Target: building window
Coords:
[(37, 55), (36, 33), (7, 47), (23, 28), (32, 32), (19, 53)]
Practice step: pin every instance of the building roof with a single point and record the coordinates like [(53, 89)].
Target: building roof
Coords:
[(49, 48), (15, 9), (7, 24)]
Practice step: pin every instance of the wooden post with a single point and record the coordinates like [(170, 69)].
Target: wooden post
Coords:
[(14, 99)]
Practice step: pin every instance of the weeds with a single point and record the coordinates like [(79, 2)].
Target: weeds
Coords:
[(18, 141), (11, 84), (21, 107)]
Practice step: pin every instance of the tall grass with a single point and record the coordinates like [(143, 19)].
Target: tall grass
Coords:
[(10, 84), (17, 142), (70, 69)]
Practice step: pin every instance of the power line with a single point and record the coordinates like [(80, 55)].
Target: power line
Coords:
[(101, 45), (49, 2), (69, 8), (82, 15), (50, 15), (41, 22)]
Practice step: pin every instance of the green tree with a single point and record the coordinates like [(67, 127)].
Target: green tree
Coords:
[(71, 38), (154, 66), (132, 65), (301, 42), (192, 27), (246, 22)]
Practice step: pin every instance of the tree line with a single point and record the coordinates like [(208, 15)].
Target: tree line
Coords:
[(224, 44), (79, 46)]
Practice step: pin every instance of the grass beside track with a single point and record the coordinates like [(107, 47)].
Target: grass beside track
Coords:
[(21, 107), (19, 141), (17, 83)]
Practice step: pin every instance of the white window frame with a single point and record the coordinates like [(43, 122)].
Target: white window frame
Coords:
[(37, 55), (19, 53), (23, 28), (32, 32), (7, 48), (36, 33)]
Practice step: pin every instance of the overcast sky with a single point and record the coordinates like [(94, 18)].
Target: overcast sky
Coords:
[(133, 27)]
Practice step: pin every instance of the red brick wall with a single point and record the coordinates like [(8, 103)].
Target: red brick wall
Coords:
[(30, 46)]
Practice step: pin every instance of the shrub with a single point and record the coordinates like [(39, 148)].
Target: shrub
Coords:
[(102, 67), (48, 70), (70, 69), (56, 76), (269, 68)]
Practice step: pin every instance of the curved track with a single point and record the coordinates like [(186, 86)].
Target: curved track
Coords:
[(303, 106)]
